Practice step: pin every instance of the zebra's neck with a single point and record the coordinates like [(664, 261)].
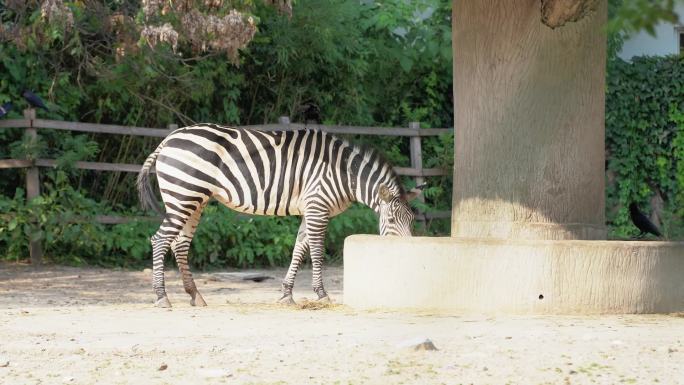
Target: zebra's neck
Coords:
[(367, 171)]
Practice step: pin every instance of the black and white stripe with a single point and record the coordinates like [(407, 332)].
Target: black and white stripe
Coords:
[(308, 173)]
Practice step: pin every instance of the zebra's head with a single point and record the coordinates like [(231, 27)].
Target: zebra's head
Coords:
[(396, 217)]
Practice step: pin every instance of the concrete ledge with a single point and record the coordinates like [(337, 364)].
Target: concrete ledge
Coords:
[(529, 230), (513, 276)]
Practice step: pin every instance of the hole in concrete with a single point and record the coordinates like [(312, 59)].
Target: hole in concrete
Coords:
[(541, 296)]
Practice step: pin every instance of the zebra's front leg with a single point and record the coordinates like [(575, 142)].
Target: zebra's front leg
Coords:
[(316, 226), (301, 248), (181, 248)]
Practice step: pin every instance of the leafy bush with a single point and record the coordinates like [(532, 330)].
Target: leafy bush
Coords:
[(62, 220), (645, 142)]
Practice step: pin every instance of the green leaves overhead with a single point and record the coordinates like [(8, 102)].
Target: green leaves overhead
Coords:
[(631, 16)]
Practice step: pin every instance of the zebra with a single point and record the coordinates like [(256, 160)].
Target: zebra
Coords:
[(308, 173)]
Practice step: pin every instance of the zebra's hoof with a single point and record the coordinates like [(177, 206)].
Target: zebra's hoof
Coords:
[(287, 300), (163, 302), (198, 300), (324, 299)]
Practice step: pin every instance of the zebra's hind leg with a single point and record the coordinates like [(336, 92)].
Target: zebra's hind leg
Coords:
[(161, 241), (181, 247), (301, 248), (316, 226)]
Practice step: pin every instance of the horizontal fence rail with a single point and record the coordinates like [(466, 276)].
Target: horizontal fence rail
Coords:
[(163, 132), (98, 166), (128, 167), (31, 126)]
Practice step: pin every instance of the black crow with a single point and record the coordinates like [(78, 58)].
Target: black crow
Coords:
[(5, 108), (311, 113), (642, 222), (34, 100)]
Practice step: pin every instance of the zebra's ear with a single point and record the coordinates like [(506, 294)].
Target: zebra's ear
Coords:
[(384, 193)]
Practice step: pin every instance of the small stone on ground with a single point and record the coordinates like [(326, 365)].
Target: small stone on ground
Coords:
[(420, 343)]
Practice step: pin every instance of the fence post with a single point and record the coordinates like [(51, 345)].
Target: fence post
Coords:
[(172, 127), (33, 188), (417, 163), (285, 121), (417, 154)]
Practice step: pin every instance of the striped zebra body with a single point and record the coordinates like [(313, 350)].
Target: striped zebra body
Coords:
[(306, 173)]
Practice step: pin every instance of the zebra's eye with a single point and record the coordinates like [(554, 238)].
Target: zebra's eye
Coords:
[(390, 220)]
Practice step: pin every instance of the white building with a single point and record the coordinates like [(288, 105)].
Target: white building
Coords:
[(669, 40)]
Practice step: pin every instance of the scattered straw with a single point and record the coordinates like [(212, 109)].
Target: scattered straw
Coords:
[(315, 305)]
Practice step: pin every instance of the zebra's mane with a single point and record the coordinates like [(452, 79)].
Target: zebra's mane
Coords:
[(371, 153)]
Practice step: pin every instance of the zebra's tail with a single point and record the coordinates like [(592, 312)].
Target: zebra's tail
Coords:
[(147, 198)]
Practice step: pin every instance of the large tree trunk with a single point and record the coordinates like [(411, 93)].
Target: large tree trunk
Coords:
[(529, 119)]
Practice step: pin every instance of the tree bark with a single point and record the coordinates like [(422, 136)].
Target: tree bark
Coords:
[(555, 13), (529, 122)]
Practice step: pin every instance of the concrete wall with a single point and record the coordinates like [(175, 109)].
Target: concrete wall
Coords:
[(666, 41), (513, 276)]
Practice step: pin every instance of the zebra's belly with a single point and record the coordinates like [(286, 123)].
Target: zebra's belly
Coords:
[(339, 210), (270, 210)]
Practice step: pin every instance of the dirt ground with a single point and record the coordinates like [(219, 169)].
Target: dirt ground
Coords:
[(95, 326)]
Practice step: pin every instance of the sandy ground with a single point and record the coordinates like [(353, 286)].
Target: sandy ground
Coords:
[(94, 326)]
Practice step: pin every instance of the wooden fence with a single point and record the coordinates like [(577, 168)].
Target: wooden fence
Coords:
[(31, 125)]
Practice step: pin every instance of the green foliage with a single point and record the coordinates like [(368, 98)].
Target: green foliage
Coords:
[(63, 221), (227, 238), (438, 194), (381, 63), (75, 148), (369, 63), (27, 148), (615, 35), (411, 42), (59, 218), (644, 140), (676, 116), (631, 16)]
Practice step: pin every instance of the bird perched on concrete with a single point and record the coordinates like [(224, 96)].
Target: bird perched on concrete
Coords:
[(5, 108), (34, 100), (642, 222)]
